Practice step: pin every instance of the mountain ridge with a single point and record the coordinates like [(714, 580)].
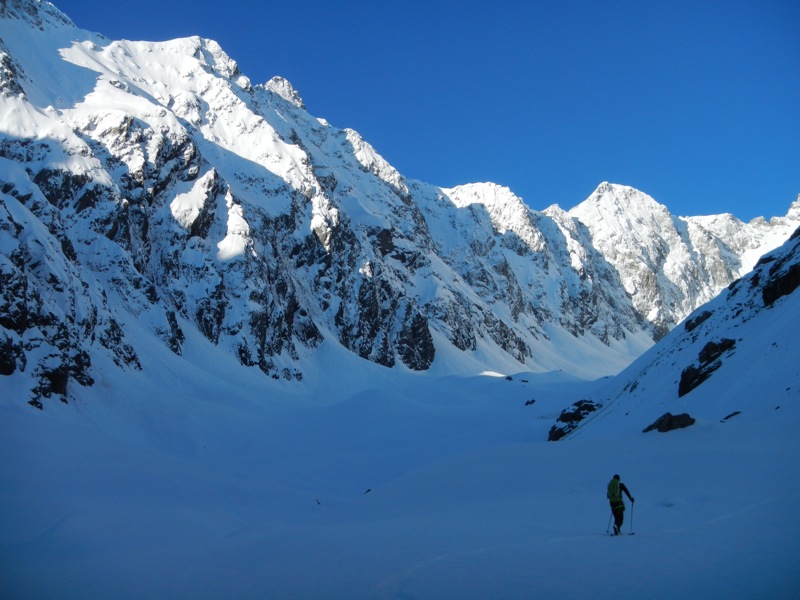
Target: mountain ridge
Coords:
[(168, 189)]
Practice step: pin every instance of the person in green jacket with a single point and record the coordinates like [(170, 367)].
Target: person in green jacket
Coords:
[(615, 490)]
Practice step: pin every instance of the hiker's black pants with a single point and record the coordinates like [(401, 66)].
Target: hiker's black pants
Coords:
[(618, 510)]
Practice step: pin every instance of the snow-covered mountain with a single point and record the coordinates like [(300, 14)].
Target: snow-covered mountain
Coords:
[(150, 187), (671, 265)]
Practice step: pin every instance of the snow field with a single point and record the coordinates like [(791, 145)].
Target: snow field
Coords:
[(217, 497)]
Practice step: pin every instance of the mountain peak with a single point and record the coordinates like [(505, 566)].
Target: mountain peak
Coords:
[(616, 197), (218, 59), (507, 210), (280, 86)]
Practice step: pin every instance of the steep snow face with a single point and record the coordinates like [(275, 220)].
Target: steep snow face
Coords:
[(173, 193)]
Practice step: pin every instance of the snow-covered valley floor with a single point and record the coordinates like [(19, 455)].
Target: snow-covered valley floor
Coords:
[(421, 487)]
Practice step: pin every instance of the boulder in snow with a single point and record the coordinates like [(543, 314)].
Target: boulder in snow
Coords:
[(570, 417), (669, 422)]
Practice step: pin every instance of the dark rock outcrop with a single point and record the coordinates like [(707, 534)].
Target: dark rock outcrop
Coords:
[(692, 323), (693, 375), (670, 422), (570, 418), (784, 277)]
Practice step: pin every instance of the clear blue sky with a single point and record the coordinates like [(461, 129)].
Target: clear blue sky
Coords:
[(696, 102)]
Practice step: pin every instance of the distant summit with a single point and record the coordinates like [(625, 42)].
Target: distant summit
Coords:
[(670, 265)]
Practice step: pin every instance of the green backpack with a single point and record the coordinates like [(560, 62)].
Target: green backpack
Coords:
[(614, 492)]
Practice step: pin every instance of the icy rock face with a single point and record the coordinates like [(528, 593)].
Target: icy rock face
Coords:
[(149, 189)]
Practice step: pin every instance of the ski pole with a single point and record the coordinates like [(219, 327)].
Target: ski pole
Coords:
[(608, 527)]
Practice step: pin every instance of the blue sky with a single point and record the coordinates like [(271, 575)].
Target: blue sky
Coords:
[(695, 103)]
